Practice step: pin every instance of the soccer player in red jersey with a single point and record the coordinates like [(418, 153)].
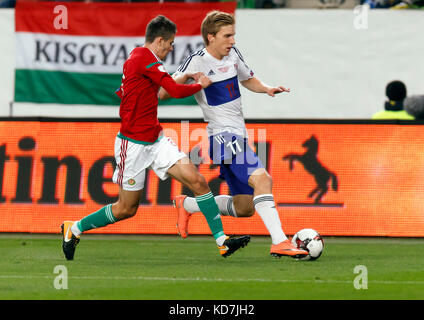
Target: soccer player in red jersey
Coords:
[(140, 143)]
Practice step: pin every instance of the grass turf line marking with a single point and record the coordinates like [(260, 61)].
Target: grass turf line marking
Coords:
[(143, 278)]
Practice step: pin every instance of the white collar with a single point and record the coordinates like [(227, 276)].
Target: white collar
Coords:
[(211, 57)]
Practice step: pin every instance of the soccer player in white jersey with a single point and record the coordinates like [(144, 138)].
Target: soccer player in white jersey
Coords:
[(249, 182)]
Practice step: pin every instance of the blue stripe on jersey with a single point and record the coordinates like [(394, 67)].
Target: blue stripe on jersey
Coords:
[(238, 53), (222, 91), (185, 64)]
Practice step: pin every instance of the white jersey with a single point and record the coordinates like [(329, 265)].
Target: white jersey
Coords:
[(221, 101)]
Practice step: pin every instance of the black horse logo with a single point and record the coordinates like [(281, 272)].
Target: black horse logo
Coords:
[(311, 164)]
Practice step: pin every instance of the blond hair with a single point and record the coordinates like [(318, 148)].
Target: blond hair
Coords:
[(213, 22)]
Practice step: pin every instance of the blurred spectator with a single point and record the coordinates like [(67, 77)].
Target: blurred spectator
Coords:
[(394, 4), (414, 105), (409, 4), (381, 4), (393, 108), (266, 4), (7, 3)]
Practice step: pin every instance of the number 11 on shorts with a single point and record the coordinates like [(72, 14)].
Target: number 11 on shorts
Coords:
[(231, 145)]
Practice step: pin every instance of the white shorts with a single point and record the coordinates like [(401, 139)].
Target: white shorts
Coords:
[(132, 160)]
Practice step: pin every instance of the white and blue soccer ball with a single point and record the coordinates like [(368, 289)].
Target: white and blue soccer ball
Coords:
[(311, 241)]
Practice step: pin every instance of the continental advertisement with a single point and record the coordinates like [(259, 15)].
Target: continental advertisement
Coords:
[(350, 179)]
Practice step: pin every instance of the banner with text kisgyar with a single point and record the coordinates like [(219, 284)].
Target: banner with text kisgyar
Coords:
[(73, 53)]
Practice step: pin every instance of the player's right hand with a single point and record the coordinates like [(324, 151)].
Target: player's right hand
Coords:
[(195, 76), (204, 81)]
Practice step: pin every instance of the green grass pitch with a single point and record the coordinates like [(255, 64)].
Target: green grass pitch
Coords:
[(170, 268)]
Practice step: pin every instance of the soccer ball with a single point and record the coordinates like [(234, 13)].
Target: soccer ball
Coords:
[(311, 241)]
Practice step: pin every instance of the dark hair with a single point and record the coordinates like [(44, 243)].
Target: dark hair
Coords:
[(160, 26), (396, 90)]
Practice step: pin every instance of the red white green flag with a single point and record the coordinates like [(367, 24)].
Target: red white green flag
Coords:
[(73, 53)]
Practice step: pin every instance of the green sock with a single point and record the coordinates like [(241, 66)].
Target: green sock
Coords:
[(210, 210), (98, 219)]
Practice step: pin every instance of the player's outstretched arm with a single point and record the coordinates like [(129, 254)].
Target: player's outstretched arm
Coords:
[(256, 85), (180, 79)]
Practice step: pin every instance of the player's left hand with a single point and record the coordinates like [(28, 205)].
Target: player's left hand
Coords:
[(276, 90)]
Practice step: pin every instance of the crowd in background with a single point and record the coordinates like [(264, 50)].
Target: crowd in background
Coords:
[(242, 3), (394, 4), (399, 105), (374, 4)]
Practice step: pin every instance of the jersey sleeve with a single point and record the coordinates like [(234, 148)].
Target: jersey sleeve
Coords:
[(154, 71), (179, 90), (243, 71), (188, 66), (143, 63)]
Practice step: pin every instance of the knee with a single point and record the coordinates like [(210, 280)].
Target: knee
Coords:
[(262, 181), (124, 212), (244, 209), (245, 212), (268, 181), (198, 185)]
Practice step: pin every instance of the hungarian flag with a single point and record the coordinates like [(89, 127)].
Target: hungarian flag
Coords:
[(73, 53)]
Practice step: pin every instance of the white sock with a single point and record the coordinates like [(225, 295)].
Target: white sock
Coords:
[(225, 205), (75, 230), (265, 207), (220, 240), (190, 204)]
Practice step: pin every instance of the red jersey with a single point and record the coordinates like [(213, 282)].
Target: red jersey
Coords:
[(143, 75)]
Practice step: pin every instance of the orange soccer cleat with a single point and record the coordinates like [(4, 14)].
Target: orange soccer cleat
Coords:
[(286, 248), (183, 216)]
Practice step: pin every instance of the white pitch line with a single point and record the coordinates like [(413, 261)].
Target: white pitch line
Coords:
[(144, 278)]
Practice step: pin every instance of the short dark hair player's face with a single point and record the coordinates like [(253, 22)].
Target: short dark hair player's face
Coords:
[(165, 46), (223, 41)]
